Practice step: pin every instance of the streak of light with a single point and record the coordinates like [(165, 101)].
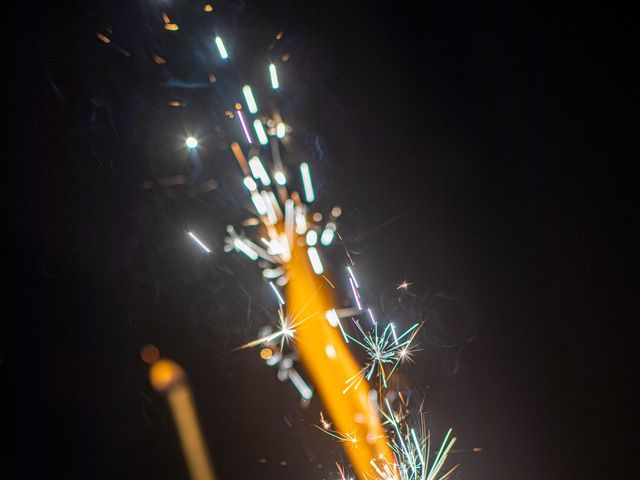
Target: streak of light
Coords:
[(300, 384), (275, 204), (244, 126), (314, 258), (199, 242), (223, 51), (251, 102), (258, 171), (275, 290), (347, 312), (275, 153), (306, 182), (327, 237), (373, 320), (262, 136), (393, 330), (244, 248), (271, 213), (273, 272), (258, 202), (103, 38), (301, 222), (274, 77), (259, 250), (286, 248), (355, 294), (351, 274), (242, 161), (280, 130), (289, 215)]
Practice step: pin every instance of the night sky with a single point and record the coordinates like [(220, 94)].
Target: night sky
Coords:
[(468, 145)]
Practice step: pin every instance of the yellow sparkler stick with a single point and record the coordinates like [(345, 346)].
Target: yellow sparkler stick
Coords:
[(168, 377), (329, 362)]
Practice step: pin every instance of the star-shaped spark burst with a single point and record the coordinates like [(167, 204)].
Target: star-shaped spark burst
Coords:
[(384, 352)]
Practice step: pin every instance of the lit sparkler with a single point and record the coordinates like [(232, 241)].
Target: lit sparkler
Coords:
[(412, 452), (286, 241)]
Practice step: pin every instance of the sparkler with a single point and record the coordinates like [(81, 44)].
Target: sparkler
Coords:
[(287, 246), (169, 378), (412, 451)]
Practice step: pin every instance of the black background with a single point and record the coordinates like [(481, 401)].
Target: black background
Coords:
[(470, 146)]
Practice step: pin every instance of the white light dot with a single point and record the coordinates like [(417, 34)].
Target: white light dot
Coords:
[(191, 142), (332, 317), (280, 178), (312, 238), (330, 350)]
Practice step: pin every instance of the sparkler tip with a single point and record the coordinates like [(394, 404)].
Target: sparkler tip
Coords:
[(164, 374)]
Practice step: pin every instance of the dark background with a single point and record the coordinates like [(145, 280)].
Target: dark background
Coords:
[(470, 146)]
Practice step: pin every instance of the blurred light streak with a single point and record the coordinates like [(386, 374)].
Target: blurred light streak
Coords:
[(306, 182), (251, 102), (314, 258), (355, 294), (223, 51), (244, 126), (327, 237), (280, 299), (271, 213), (274, 77), (262, 136), (352, 275), (244, 248), (242, 161), (258, 171), (300, 384), (199, 242), (258, 202)]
